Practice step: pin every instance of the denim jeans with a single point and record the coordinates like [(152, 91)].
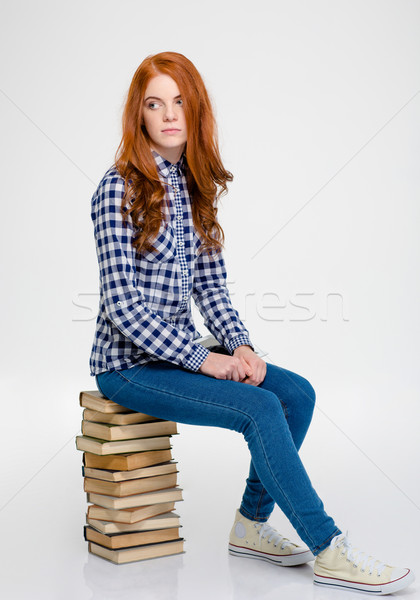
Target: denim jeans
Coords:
[(273, 418)]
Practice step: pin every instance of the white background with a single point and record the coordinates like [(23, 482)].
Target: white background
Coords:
[(318, 109)]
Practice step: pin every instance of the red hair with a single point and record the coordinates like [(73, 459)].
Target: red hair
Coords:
[(206, 177)]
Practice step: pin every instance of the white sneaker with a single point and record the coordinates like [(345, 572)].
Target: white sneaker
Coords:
[(341, 566), (252, 539)]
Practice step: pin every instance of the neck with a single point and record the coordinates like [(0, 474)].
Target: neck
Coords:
[(171, 154)]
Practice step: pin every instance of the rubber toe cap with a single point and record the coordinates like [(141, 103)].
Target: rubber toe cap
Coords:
[(398, 573)]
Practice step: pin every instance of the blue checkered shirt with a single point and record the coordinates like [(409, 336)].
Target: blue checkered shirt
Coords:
[(145, 300)]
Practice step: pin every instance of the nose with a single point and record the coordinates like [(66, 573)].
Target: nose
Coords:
[(169, 114)]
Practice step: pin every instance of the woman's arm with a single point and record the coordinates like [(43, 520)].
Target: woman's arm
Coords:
[(212, 298), (124, 304)]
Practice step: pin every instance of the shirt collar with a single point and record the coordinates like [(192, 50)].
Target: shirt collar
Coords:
[(165, 168)]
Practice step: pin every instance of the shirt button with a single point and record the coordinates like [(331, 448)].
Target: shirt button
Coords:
[(185, 298), (176, 190), (185, 272), (179, 218), (180, 244), (173, 169)]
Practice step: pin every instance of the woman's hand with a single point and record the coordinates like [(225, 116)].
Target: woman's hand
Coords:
[(255, 364), (244, 366), (223, 366)]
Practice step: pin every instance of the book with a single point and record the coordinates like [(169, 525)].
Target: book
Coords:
[(110, 432), (210, 342), (130, 480), (163, 521), (126, 555), (99, 446), (128, 488), (117, 418), (168, 495), (96, 401), (126, 462), (134, 538), (128, 515), (108, 475)]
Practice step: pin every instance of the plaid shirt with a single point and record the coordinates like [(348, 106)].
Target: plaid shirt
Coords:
[(145, 300)]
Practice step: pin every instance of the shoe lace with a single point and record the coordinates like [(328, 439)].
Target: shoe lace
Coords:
[(265, 530), (357, 556)]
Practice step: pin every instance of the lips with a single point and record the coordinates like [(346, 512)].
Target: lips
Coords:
[(170, 130)]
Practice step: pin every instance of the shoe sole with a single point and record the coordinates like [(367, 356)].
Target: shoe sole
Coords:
[(287, 560), (354, 586)]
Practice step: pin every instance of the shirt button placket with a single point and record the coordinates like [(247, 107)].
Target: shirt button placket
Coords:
[(179, 229)]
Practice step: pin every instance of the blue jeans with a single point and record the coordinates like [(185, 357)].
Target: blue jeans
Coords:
[(273, 418)]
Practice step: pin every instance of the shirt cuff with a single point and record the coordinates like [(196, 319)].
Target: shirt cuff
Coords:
[(239, 340), (196, 357)]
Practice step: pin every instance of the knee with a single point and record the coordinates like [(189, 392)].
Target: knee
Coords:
[(307, 398), (264, 409), (308, 391)]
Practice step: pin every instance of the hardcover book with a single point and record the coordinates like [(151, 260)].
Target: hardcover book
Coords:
[(108, 475), (111, 432), (168, 495), (101, 447), (96, 401), (133, 486), (129, 516), (135, 538), (138, 552), (126, 462), (163, 521)]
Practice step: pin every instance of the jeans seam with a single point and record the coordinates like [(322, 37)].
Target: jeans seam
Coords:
[(251, 517), (260, 500), (326, 542), (286, 498)]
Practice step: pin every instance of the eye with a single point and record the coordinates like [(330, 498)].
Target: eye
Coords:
[(180, 102), (153, 105)]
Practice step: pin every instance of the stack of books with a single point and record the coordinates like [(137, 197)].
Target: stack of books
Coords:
[(130, 480)]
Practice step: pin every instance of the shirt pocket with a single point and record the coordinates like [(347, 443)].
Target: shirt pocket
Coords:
[(164, 245)]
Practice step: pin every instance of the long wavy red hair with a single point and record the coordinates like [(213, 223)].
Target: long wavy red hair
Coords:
[(206, 177)]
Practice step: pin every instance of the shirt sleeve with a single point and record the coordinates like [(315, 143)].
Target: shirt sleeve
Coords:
[(212, 298), (121, 294)]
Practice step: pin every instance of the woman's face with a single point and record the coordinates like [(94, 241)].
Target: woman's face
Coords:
[(164, 118)]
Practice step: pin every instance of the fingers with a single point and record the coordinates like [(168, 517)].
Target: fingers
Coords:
[(235, 368), (257, 373), (241, 370), (246, 367)]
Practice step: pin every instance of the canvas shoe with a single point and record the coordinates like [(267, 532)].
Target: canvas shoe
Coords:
[(341, 566), (252, 539)]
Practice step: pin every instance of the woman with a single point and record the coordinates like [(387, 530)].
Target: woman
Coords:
[(159, 245)]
